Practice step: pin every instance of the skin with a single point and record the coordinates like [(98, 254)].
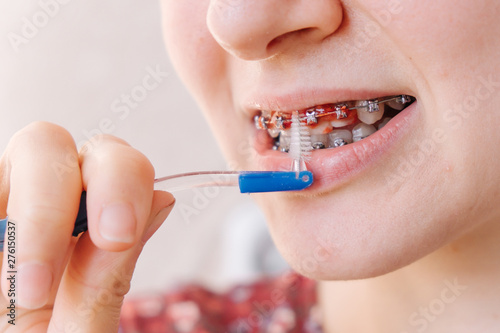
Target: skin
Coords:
[(411, 236), (437, 222), (90, 274)]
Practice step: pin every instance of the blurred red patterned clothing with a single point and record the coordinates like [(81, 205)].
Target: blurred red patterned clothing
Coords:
[(283, 304)]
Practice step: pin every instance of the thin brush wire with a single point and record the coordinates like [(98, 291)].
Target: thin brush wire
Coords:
[(295, 149), (300, 143), (305, 142)]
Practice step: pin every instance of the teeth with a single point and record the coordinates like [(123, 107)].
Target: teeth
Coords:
[(273, 132), (384, 122), (319, 141), (322, 128), (332, 125), (351, 119), (277, 120), (339, 138), (260, 122), (399, 103), (285, 138), (368, 117), (318, 145), (311, 117), (361, 131), (396, 105), (341, 111)]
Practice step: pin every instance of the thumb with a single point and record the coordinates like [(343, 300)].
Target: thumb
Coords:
[(163, 203), (95, 282)]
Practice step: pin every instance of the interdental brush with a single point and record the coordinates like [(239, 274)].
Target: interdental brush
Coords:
[(247, 181)]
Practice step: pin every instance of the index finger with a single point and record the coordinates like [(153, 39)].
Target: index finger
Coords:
[(44, 183)]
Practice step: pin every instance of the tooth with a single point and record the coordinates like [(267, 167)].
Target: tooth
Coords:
[(324, 127), (395, 105), (273, 132), (368, 117), (319, 141), (260, 122), (311, 117), (399, 102), (361, 131), (384, 122), (403, 99), (341, 111), (278, 121), (285, 138), (351, 119), (339, 138)]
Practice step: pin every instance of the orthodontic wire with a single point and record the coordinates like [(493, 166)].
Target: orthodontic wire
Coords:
[(388, 99)]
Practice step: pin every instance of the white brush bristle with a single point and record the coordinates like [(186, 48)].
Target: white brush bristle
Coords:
[(300, 143)]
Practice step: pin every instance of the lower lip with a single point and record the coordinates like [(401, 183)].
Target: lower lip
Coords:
[(334, 167)]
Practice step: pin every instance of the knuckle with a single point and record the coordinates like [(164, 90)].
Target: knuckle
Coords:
[(38, 214), (37, 135), (143, 164), (108, 138), (119, 287), (110, 150), (108, 287), (100, 145), (99, 141), (41, 129), (137, 164)]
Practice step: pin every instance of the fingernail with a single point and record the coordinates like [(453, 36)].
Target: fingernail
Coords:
[(34, 282), (118, 223), (158, 220)]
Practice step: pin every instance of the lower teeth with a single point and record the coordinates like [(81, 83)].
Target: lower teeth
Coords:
[(335, 139), (339, 138), (362, 131)]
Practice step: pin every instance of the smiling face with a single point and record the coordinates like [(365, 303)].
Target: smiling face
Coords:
[(426, 178)]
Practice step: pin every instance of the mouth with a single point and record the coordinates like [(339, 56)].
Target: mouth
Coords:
[(346, 137), (333, 125)]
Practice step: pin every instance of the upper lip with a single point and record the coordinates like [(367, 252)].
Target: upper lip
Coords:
[(303, 99)]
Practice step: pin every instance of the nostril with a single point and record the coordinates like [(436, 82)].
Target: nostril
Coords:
[(296, 34), (259, 29)]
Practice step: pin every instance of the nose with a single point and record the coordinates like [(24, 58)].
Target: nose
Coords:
[(259, 29)]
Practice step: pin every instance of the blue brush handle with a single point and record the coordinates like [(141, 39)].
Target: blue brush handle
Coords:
[(249, 182), (274, 181)]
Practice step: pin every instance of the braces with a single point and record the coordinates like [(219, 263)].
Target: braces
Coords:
[(311, 116)]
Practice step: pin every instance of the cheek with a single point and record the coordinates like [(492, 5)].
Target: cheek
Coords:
[(354, 233), (449, 45), (202, 65), (196, 56), (440, 38)]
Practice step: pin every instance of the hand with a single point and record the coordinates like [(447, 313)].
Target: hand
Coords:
[(64, 283)]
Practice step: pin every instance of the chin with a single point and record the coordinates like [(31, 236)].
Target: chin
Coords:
[(327, 237)]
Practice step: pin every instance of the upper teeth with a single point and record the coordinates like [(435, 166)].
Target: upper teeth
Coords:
[(311, 117), (371, 114), (333, 125), (341, 111)]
